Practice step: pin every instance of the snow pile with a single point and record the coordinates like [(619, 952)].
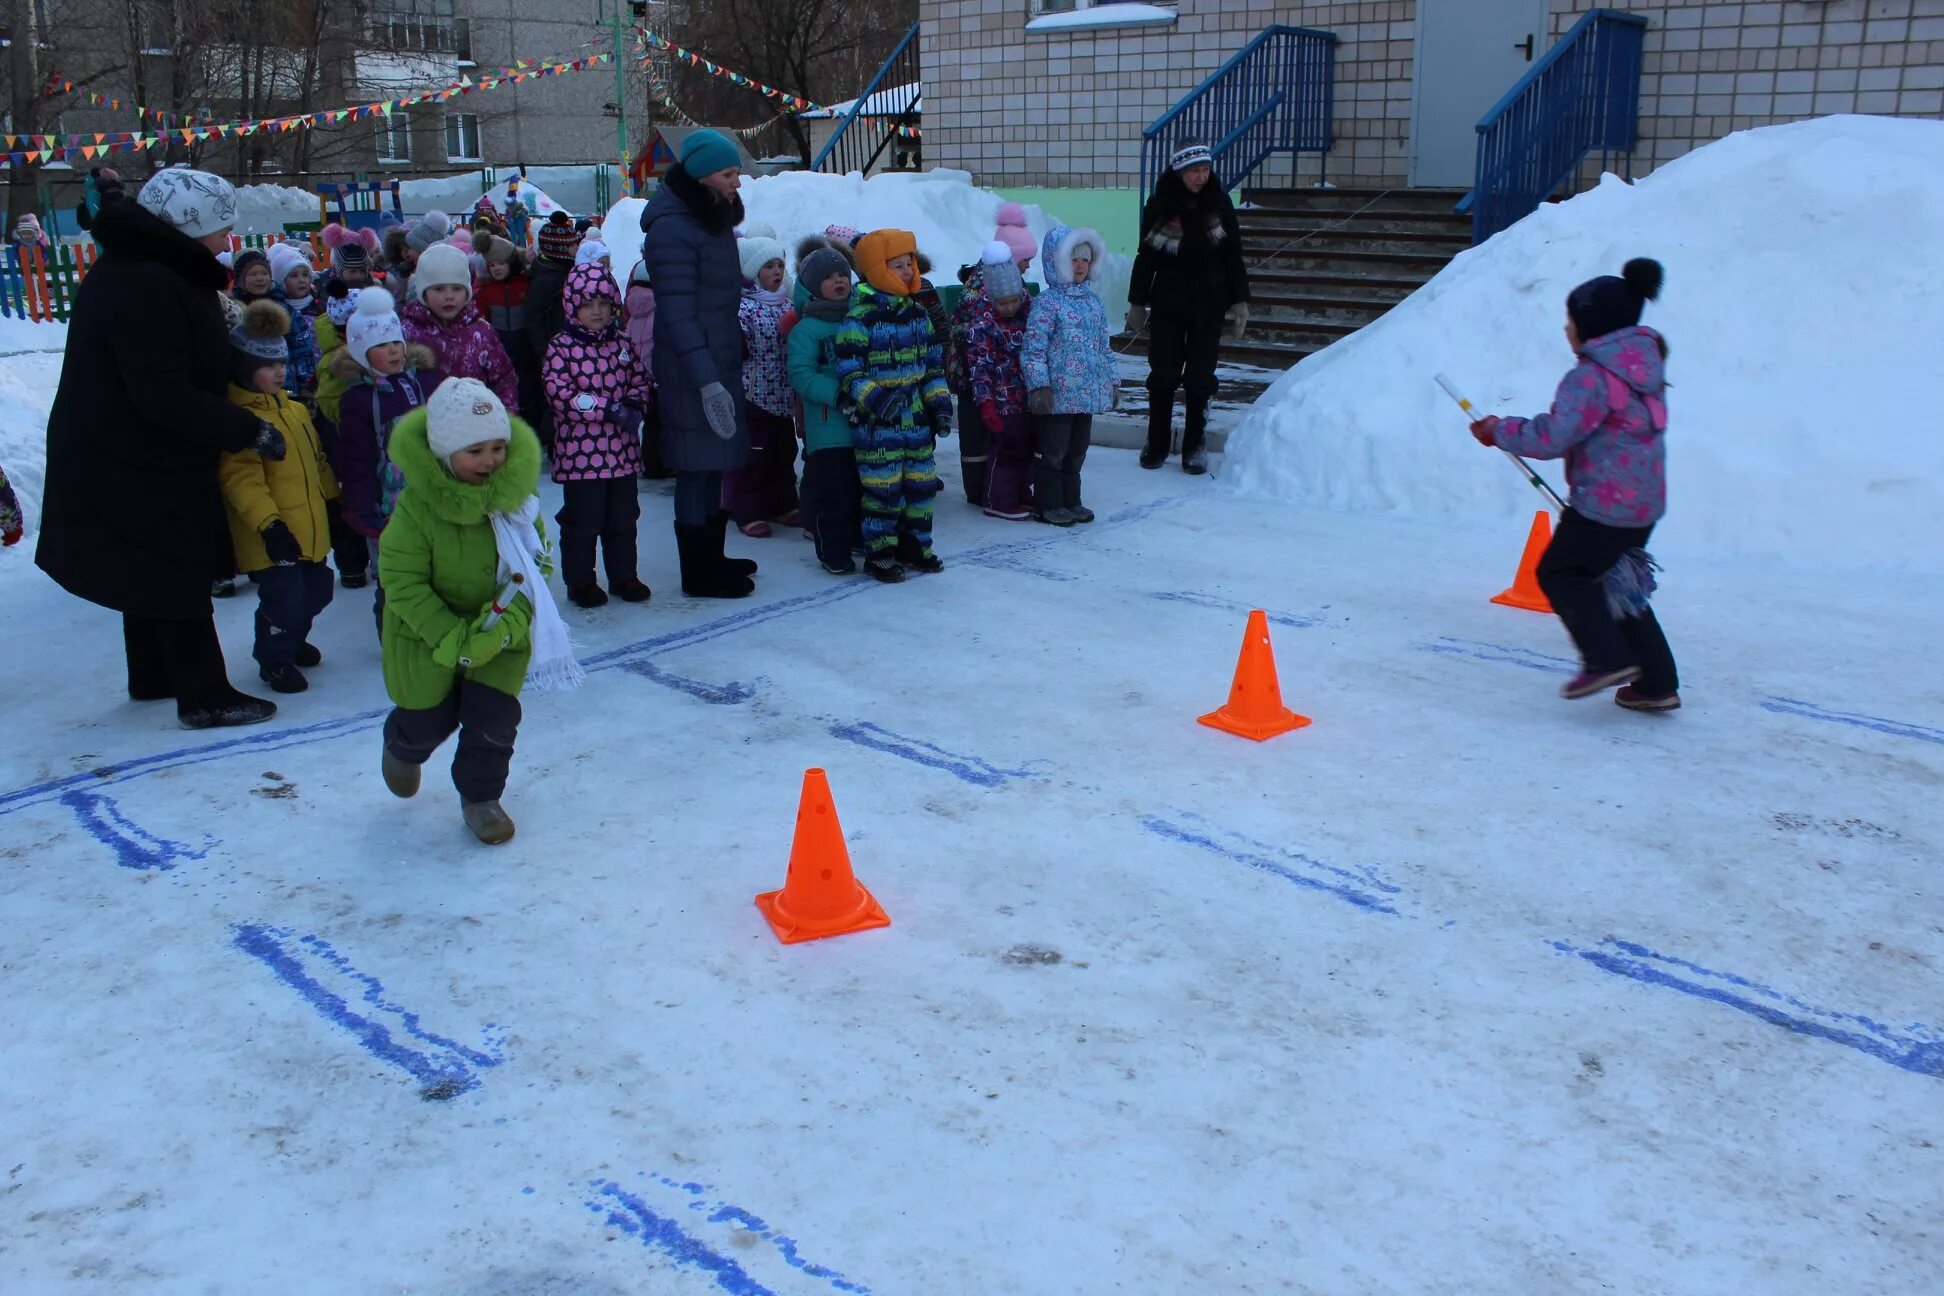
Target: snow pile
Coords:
[(951, 217), (265, 208), (575, 188), (1802, 318)]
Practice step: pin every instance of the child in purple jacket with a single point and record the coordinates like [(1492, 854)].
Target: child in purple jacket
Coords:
[(598, 395), (1608, 422)]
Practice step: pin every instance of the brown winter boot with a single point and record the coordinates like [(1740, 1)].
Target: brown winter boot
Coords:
[(402, 777), (488, 822)]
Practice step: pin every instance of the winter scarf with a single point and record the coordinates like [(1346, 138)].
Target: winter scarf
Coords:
[(522, 549)]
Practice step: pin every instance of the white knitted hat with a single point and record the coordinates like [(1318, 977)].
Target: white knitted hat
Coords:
[(591, 249), (441, 263), (283, 259), (757, 251), (373, 323), (464, 412), (195, 202)]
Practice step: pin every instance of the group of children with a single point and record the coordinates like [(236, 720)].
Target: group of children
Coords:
[(862, 363)]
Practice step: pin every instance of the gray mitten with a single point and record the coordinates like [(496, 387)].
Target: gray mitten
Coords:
[(719, 407), (1238, 321)]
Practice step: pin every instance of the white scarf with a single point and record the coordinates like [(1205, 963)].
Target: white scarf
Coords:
[(552, 667)]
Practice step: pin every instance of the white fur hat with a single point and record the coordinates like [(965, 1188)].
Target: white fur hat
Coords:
[(756, 252), (373, 323), (283, 259), (757, 229), (195, 202), (464, 412), (441, 263), (591, 249)]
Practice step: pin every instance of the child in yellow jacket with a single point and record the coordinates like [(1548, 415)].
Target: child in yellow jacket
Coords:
[(278, 522)]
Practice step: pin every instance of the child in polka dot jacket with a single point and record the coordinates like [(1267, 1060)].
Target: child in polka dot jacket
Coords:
[(598, 394)]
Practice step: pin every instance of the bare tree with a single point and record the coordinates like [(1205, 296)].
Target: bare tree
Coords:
[(822, 50)]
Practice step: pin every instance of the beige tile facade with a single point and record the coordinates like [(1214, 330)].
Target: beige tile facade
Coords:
[(1067, 109)]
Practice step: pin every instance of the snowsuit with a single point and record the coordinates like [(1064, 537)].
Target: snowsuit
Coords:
[(503, 302), (598, 397), (764, 489), (975, 440), (1067, 351), (367, 413), (1609, 422), (11, 523), (890, 373), (292, 490), (466, 347), (441, 567), (1188, 272), (830, 483), (996, 390)]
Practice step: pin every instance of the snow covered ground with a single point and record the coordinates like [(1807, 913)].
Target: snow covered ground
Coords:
[(1462, 989)]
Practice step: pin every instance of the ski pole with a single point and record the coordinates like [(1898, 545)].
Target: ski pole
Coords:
[(1532, 476), (502, 601)]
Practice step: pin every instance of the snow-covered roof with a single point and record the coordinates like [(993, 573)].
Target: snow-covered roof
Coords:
[(1103, 15), (889, 102)]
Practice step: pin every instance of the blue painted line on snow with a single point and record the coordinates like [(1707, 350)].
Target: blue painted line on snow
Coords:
[(1350, 887), (1507, 654), (970, 769), (721, 1212), (266, 741), (1916, 1048), (1878, 724), (1024, 568), (633, 1216), (446, 1063), (1294, 620), (135, 847), (734, 693)]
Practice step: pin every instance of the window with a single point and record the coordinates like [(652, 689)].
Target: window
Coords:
[(462, 40), (462, 137), (395, 139), (412, 25)]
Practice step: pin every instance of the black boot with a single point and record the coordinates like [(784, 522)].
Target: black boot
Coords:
[(1160, 433), (1194, 435), (702, 573), (719, 532)]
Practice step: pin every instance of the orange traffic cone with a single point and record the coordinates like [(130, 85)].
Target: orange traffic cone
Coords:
[(820, 897), (1525, 592), (1255, 707)]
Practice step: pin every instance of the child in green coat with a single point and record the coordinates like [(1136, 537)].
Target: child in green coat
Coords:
[(468, 616), (830, 484)]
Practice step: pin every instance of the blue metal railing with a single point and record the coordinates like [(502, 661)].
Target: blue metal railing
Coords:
[(1274, 96), (891, 99), (1582, 96)]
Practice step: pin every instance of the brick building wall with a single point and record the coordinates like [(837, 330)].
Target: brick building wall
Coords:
[(1066, 109)]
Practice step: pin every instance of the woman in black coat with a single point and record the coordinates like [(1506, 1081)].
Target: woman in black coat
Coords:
[(1188, 276), (132, 517), (689, 242)]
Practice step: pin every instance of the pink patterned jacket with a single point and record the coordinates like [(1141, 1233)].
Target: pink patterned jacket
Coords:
[(466, 348), (588, 377), (766, 378), (1608, 422)]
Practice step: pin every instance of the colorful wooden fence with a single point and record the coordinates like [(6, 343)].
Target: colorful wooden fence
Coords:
[(39, 284)]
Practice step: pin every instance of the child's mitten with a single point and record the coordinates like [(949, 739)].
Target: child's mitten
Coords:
[(517, 621), (446, 652), (281, 546), (1040, 401)]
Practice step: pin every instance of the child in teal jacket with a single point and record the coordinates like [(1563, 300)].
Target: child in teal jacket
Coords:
[(830, 485)]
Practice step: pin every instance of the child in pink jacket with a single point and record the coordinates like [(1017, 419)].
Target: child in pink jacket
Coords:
[(640, 326), (599, 395), (441, 315)]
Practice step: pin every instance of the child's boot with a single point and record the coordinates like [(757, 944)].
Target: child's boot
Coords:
[(488, 822), (284, 678), (1634, 699), (886, 569), (589, 595), (308, 655), (1591, 681), (632, 590), (401, 777)]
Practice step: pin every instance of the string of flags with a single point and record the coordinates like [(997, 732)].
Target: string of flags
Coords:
[(793, 104), (21, 149)]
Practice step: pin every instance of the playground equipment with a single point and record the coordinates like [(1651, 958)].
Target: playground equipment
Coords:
[(360, 203)]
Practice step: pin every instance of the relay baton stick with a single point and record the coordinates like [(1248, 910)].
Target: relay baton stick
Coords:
[(1532, 477), (502, 601)]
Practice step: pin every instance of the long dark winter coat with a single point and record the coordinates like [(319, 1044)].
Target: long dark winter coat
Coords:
[(133, 518), (689, 242), (1190, 260)]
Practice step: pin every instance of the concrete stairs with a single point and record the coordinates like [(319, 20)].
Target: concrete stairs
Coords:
[(1325, 262)]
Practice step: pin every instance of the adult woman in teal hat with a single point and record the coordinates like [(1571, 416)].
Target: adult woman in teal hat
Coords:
[(689, 242)]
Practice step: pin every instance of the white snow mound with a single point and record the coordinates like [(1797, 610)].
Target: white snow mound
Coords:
[(1802, 317), (951, 217)]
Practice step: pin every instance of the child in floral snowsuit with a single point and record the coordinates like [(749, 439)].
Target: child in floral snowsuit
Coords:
[(598, 395), (995, 314), (764, 489)]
